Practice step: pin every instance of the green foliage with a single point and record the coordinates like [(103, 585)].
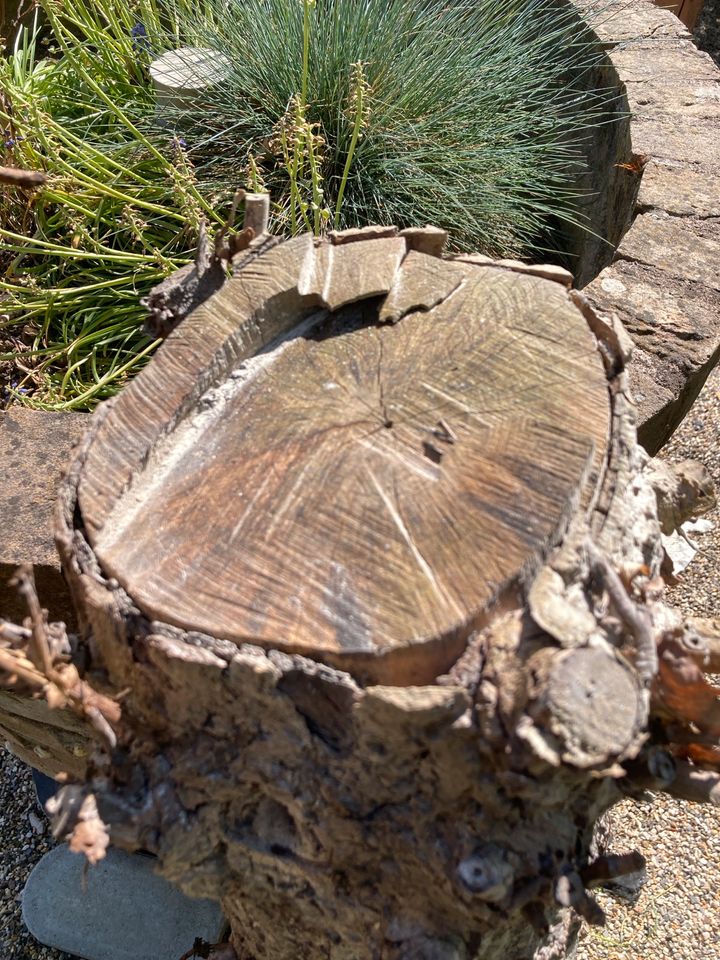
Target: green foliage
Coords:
[(473, 112), (468, 115), (118, 213)]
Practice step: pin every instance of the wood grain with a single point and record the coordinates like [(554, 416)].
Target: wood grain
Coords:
[(318, 483)]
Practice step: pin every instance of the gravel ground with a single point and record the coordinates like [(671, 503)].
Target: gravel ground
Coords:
[(677, 914), (707, 29), (21, 846)]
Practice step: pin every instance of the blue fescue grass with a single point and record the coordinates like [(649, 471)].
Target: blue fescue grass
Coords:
[(474, 113), (471, 116)]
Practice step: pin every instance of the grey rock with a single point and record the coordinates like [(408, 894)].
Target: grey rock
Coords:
[(673, 323), (675, 246), (124, 911), (680, 189)]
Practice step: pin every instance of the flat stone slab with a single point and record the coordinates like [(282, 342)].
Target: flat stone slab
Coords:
[(663, 281), (124, 911), (34, 447)]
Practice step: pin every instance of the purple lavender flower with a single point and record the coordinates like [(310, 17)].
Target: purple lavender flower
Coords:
[(140, 41)]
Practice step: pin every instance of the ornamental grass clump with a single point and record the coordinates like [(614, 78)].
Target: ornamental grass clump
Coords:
[(468, 115)]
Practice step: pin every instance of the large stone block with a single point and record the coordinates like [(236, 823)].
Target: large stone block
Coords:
[(663, 279), (34, 447)]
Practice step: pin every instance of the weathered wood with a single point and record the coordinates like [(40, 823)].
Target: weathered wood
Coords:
[(35, 446), (708, 628), (683, 490), (370, 552), (22, 178), (312, 503), (35, 660), (54, 741), (171, 300), (687, 10)]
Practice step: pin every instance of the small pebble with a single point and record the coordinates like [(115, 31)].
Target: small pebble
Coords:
[(36, 823)]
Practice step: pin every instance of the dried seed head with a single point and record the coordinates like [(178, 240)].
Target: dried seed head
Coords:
[(359, 100)]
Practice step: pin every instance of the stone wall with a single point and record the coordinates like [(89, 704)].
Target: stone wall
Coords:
[(662, 280)]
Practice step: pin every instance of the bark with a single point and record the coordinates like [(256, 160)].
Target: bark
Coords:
[(370, 551)]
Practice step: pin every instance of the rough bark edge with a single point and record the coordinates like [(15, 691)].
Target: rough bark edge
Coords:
[(110, 614), (493, 697)]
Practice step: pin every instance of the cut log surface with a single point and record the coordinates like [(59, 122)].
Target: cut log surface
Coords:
[(294, 471)]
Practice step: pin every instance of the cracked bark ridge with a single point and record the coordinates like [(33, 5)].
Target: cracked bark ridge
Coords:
[(176, 296), (334, 542)]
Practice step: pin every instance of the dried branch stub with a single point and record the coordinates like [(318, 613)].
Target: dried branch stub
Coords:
[(635, 618), (610, 866), (34, 659), (202, 950), (687, 706), (673, 663), (28, 179), (569, 891)]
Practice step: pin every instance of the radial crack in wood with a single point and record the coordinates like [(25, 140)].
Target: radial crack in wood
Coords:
[(307, 499)]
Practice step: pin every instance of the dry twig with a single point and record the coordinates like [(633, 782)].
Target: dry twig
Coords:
[(33, 660), (90, 835), (635, 619), (214, 951), (22, 178)]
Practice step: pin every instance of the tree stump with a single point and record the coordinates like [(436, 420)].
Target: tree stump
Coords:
[(369, 551)]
